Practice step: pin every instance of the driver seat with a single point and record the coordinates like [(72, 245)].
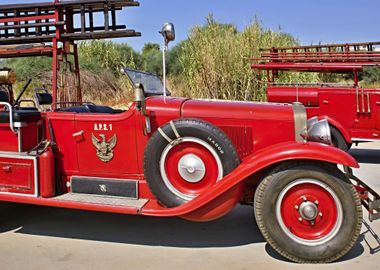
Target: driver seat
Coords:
[(18, 115), (43, 97), (4, 96)]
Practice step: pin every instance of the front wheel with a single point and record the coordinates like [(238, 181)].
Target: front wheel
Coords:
[(338, 140), (308, 212)]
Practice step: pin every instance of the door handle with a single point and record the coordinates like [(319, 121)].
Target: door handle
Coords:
[(78, 134)]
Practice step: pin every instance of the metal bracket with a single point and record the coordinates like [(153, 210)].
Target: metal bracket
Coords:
[(374, 213), (10, 109), (370, 198), (148, 126)]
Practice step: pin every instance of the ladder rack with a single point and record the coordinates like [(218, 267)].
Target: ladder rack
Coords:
[(330, 58), (42, 22), (53, 29)]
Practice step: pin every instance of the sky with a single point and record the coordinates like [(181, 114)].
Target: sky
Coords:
[(312, 22)]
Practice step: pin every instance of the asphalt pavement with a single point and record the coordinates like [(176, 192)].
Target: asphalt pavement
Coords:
[(33, 237)]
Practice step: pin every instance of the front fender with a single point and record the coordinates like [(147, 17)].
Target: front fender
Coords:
[(254, 163), (339, 126)]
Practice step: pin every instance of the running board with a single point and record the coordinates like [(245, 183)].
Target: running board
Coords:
[(103, 200), (370, 198), (122, 188)]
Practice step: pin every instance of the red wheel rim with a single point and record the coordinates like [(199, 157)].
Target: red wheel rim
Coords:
[(321, 223), (175, 182)]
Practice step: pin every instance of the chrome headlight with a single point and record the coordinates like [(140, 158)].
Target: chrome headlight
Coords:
[(318, 131)]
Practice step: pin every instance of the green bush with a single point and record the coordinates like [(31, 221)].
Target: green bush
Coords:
[(216, 60), (97, 56)]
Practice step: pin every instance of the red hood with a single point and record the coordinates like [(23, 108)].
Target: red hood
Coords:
[(236, 110)]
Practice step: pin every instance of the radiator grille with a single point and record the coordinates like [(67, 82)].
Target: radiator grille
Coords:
[(242, 138)]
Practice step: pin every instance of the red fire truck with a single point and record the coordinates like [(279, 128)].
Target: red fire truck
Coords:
[(352, 111), (168, 156)]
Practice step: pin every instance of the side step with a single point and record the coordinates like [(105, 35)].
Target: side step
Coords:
[(103, 200), (104, 192), (374, 213), (122, 188)]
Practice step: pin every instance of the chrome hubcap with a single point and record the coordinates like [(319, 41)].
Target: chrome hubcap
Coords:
[(183, 170), (191, 168), (308, 211)]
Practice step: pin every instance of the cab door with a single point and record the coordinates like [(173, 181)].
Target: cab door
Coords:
[(63, 127), (106, 144)]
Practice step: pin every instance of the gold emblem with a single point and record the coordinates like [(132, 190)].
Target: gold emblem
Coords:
[(104, 148)]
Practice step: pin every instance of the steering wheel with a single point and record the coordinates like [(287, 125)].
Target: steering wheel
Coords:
[(21, 93)]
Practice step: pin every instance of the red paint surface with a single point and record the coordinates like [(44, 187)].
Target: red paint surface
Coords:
[(322, 225), (47, 174), (264, 133), (339, 107), (17, 176), (354, 111), (183, 186)]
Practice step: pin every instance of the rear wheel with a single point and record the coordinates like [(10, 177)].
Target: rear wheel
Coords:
[(308, 213)]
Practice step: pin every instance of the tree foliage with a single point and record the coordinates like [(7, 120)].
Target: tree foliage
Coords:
[(371, 75)]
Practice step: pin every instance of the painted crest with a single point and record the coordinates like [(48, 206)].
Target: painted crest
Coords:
[(104, 148)]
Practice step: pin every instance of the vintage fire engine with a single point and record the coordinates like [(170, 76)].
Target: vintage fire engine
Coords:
[(352, 111), (168, 156)]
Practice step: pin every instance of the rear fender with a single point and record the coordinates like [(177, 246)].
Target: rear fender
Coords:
[(252, 164)]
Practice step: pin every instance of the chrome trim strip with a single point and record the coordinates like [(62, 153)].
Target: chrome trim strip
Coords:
[(369, 102), (363, 102), (357, 100), (9, 106), (364, 140), (15, 154), (19, 140), (300, 121), (19, 124)]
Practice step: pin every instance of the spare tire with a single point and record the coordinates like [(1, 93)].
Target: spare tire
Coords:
[(185, 158)]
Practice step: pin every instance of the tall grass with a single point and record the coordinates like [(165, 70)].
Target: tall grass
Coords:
[(216, 60), (97, 56)]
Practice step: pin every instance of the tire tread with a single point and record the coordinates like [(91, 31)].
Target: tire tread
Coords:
[(258, 204)]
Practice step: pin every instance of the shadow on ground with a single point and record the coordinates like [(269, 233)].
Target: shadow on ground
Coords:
[(236, 229), (355, 252), (368, 238)]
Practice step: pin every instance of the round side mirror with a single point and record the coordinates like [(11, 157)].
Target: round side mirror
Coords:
[(168, 32)]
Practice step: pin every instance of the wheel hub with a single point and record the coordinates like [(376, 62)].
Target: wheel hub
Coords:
[(191, 168), (308, 211)]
